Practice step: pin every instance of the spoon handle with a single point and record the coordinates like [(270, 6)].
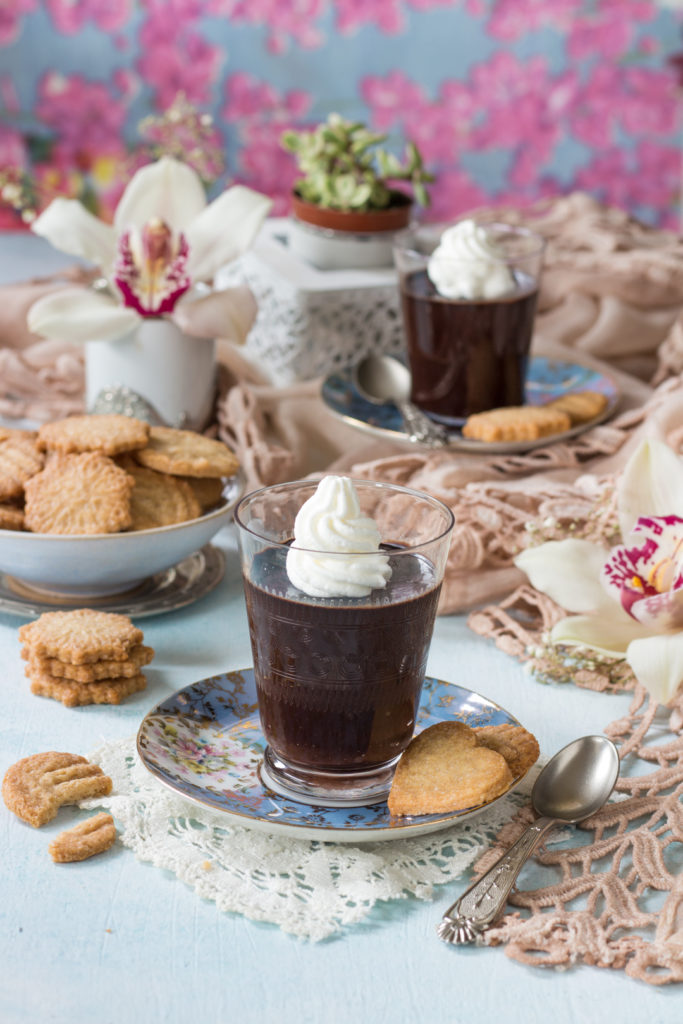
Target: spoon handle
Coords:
[(480, 905), (420, 428)]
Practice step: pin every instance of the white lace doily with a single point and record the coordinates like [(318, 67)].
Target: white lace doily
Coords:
[(309, 889)]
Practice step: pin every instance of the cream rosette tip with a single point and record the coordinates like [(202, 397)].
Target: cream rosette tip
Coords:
[(336, 549)]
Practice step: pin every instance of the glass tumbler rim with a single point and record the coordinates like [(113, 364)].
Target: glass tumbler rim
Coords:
[(401, 243), (292, 485)]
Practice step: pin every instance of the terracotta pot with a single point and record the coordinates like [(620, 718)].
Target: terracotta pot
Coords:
[(393, 218)]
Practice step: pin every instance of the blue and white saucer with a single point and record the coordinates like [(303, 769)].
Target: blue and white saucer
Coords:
[(546, 379), (205, 743)]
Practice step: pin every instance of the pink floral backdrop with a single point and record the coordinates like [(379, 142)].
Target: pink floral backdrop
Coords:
[(509, 100)]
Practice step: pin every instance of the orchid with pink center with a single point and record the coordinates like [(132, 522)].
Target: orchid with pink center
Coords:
[(629, 600), (157, 259)]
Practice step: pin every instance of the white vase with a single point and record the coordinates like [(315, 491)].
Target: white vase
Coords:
[(174, 372)]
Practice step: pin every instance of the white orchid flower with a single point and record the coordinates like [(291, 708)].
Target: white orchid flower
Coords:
[(629, 600), (164, 242)]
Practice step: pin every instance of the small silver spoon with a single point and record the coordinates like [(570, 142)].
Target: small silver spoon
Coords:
[(382, 379), (574, 784)]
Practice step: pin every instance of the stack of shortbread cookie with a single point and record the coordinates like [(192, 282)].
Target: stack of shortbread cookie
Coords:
[(84, 656)]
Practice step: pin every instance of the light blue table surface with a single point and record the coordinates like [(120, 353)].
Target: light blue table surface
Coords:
[(114, 940)]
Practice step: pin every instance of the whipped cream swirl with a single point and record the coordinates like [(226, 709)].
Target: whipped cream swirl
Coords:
[(467, 264), (331, 522)]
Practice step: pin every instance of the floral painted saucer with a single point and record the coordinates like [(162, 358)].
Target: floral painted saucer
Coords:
[(205, 743), (546, 379)]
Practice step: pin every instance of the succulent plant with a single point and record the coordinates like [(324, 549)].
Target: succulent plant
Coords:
[(345, 168)]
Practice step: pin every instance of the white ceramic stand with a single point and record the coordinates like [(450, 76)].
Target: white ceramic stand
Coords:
[(171, 370), (312, 322)]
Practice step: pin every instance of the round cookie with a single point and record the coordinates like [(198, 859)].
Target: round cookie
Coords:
[(79, 494), (158, 499), (184, 453), (109, 434), (19, 461)]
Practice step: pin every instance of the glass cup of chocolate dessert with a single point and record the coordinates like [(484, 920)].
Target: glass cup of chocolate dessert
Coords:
[(468, 298), (342, 582)]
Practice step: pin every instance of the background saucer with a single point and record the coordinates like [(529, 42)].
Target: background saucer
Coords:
[(205, 743), (546, 379)]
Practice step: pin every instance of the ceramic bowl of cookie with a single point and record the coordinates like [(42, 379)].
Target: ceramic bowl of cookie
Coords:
[(83, 514)]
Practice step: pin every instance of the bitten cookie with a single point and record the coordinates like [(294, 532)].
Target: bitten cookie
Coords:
[(443, 770), (88, 838), (37, 786)]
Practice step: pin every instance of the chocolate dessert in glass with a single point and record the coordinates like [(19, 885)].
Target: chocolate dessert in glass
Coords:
[(342, 582), (468, 298)]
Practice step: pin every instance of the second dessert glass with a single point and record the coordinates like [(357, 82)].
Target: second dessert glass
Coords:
[(339, 679), (468, 354)]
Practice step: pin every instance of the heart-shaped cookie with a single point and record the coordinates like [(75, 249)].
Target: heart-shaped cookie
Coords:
[(516, 744), (443, 770)]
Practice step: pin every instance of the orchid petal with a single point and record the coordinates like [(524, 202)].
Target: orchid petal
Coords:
[(167, 189), (228, 314), (568, 571), (657, 662), (605, 634), (660, 613), (224, 230), (70, 227), (651, 484), (80, 315)]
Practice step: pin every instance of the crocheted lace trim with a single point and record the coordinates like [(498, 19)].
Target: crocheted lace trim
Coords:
[(617, 897), (310, 889)]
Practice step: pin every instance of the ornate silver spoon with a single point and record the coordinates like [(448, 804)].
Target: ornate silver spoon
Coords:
[(382, 379), (574, 784)]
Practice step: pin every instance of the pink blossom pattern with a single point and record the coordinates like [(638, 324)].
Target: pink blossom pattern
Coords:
[(70, 16), (11, 15), (508, 100), (261, 115), (647, 176), (287, 21), (176, 58), (388, 16), (86, 117)]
